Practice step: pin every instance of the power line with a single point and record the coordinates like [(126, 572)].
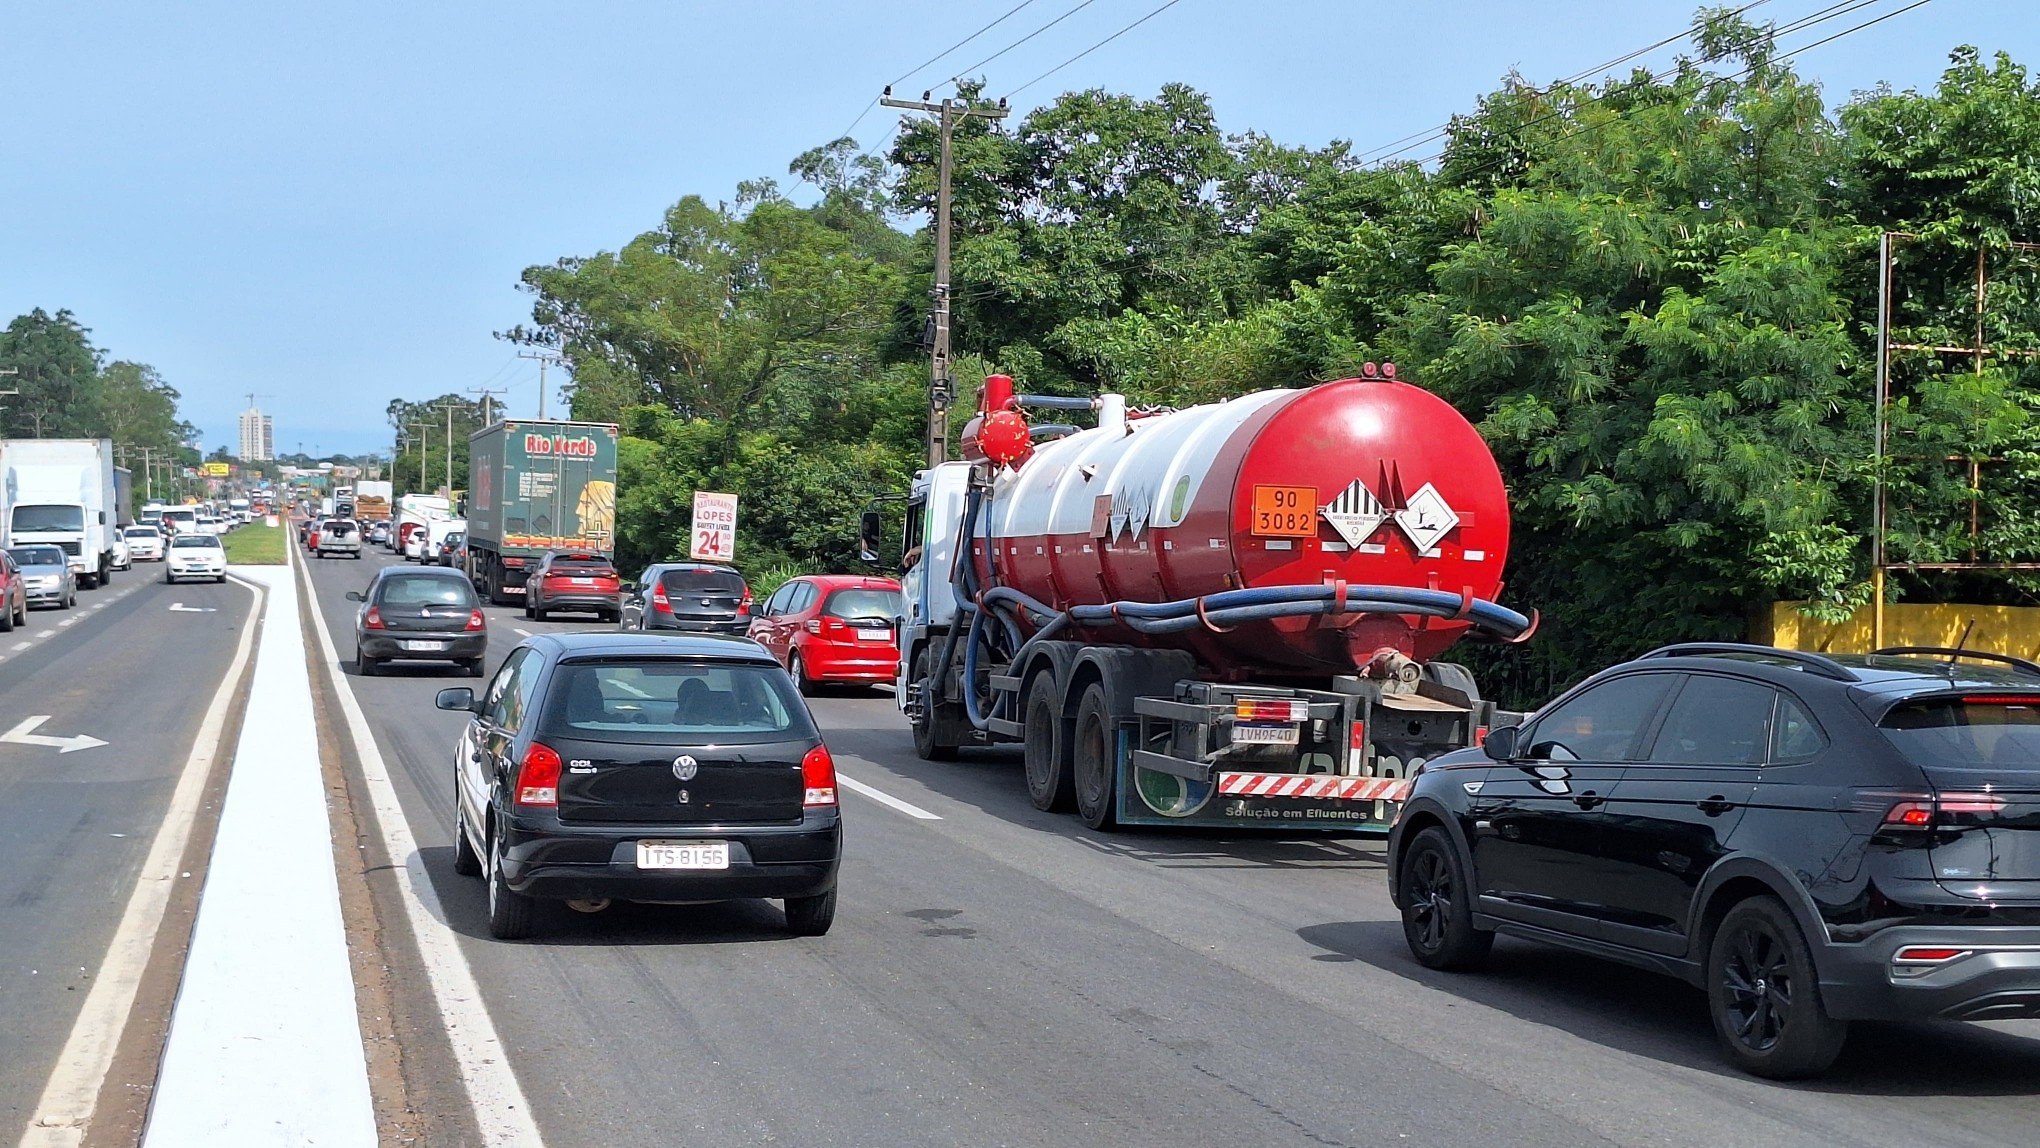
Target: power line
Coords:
[(1721, 79), (1107, 40), (962, 72), (1429, 134), (923, 65), (1821, 16)]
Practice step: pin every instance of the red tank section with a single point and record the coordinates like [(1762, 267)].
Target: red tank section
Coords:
[(1361, 482)]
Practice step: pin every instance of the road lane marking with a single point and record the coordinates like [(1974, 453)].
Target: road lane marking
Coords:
[(68, 622), (47, 634), (501, 1111), (65, 1109), (24, 734), (884, 798), (19, 646), (522, 630)]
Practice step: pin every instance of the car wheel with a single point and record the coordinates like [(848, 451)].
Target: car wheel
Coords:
[(926, 744), (1437, 905), (7, 619), (810, 916), (510, 913), (538, 613), (367, 665), (527, 609), (1092, 759), (1050, 783), (71, 600), (466, 861), (473, 666), (797, 670), (1763, 995), (222, 578)]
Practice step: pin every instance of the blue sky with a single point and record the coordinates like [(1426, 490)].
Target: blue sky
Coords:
[(329, 204)]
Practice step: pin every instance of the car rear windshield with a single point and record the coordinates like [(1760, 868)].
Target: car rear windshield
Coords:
[(697, 581), (36, 555), (675, 701), (1997, 733), (417, 591), (141, 532), (49, 518), (582, 567), (864, 605), (195, 542)]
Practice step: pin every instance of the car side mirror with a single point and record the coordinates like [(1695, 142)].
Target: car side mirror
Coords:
[(456, 698), (355, 596), (1501, 743), (868, 530)]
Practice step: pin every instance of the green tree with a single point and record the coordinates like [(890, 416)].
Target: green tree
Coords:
[(54, 364)]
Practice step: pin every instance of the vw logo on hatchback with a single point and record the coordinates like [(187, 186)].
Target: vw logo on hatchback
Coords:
[(685, 767)]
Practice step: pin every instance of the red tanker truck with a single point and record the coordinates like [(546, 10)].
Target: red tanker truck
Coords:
[(1228, 615)]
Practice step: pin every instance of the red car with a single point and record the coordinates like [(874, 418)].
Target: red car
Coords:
[(13, 596), (572, 580), (833, 628)]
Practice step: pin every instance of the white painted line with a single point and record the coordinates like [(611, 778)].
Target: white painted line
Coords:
[(19, 646), (265, 1042), (65, 1109), (884, 798), (501, 1111), (47, 634), (68, 622), (522, 630)]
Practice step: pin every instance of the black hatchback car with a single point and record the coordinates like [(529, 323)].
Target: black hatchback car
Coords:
[(415, 613), (695, 597), (1809, 839), (674, 769)]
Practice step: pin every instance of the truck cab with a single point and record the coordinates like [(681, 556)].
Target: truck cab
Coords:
[(934, 517)]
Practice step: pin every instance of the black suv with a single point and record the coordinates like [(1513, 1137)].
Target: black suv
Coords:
[(1809, 839)]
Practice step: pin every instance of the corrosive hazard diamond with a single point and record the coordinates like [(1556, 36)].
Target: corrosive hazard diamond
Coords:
[(1356, 514), (1427, 518)]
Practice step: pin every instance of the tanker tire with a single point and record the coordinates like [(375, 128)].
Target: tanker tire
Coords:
[(1091, 759), (1050, 783), (926, 744)]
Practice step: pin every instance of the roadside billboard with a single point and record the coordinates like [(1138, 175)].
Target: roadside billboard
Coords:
[(713, 535)]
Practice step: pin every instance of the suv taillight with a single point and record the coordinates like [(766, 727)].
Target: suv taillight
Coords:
[(1940, 810), (744, 607), (818, 776), (538, 779)]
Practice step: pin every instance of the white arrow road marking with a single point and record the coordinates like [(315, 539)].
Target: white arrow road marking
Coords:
[(21, 735), (181, 608)]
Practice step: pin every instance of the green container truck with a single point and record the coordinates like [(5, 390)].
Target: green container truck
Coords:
[(536, 485)]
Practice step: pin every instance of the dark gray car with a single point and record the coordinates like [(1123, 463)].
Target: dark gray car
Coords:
[(695, 597), (45, 576), (411, 613)]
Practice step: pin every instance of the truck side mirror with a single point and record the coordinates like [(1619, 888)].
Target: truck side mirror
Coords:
[(868, 528)]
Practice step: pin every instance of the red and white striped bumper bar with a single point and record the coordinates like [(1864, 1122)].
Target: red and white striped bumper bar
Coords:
[(1318, 785)]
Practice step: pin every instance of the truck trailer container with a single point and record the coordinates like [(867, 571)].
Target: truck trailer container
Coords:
[(1229, 615), (536, 485), (66, 492)]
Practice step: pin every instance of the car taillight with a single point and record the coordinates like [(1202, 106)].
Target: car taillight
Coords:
[(814, 625), (1940, 810), (744, 607), (475, 619), (660, 602), (818, 775), (1927, 954), (373, 620), (538, 779)]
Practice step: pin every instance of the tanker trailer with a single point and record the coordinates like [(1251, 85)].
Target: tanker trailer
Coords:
[(1228, 615)]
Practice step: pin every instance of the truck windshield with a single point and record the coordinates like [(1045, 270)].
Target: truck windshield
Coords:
[(49, 518)]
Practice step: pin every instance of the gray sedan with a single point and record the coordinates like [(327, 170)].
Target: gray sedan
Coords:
[(46, 576)]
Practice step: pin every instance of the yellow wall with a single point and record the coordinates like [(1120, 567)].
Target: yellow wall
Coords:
[(1998, 629)]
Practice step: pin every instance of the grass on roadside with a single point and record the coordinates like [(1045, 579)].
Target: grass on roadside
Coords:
[(255, 545)]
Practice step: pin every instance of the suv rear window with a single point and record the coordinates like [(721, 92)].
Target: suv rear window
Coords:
[(703, 581), (864, 605), (582, 567), (1995, 731), (671, 700)]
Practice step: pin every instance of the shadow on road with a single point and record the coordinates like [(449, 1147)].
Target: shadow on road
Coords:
[(1643, 1014), (465, 900)]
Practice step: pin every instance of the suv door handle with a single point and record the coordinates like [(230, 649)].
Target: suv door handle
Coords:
[(1714, 806), (1588, 799)]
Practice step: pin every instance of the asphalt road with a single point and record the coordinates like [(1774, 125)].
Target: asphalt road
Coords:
[(1003, 976), (74, 827)]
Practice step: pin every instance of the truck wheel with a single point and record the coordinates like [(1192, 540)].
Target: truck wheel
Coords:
[(1094, 760), (1050, 784), (927, 745)]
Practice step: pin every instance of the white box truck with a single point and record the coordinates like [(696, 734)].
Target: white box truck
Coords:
[(62, 491)]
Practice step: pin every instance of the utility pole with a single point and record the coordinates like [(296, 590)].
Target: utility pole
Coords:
[(9, 373), (941, 389), (488, 403), (544, 357), (418, 432), (450, 405)]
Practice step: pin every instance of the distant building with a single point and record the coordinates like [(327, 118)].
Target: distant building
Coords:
[(258, 436)]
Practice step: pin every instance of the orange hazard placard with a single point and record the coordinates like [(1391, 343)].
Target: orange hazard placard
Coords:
[(1285, 511)]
